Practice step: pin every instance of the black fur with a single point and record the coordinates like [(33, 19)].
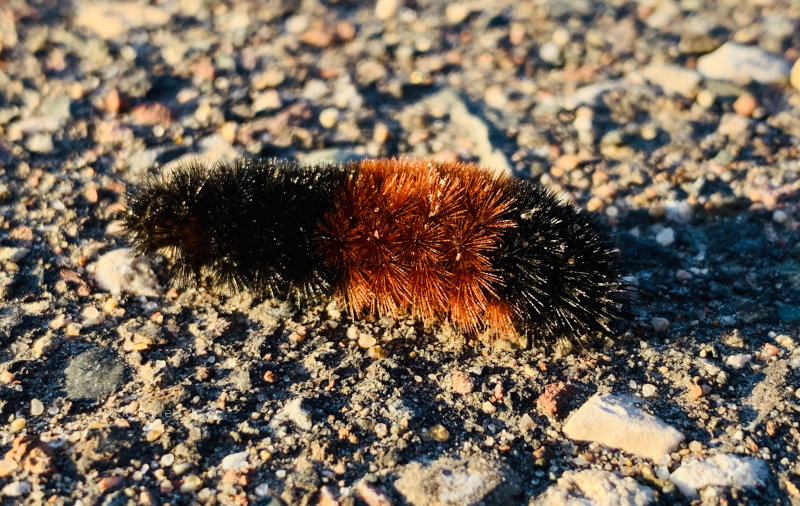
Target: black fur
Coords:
[(558, 267), (249, 225)]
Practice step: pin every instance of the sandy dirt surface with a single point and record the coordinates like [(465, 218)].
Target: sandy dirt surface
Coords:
[(677, 121)]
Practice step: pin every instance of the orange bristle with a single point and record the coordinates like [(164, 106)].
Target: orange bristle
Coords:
[(414, 236)]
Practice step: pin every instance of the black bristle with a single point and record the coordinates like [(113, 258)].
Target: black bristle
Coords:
[(248, 225), (559, 267)]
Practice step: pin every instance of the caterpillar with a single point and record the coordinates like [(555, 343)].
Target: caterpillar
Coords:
[(491, 254)]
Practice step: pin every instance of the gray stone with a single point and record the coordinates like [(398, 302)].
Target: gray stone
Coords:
[(726, 470), (120, 270), (673, 78), (448, 481), (616, 422), (95, 374), (596, 487), (736, 62)]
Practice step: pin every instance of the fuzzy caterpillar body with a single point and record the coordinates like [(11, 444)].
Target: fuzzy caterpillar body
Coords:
[(487, 252)]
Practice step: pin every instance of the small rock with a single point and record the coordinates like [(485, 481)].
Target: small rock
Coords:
[(17, 425), (659, 324), (236, 460), (649, 390), (665, 237), (673, 78), (768, 351), (294, 411), (366, 340), (37, 408), (40, 143), (120, 271), (439, 433), (385, 9), (112, 19), (450, 482), (739, 63), (555, 398), (462, 382), (550, 53), (328, 117), (381, 430), (154, 430), (779, 216), (191, 483), (16, 489), (706, 98), (94, 374), (617, 422), (456, 12), (724, 470), (739, 360), (745, 105), (795, 76), (594, 486)]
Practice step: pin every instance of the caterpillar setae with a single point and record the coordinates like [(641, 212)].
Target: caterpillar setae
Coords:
[(489, 253)]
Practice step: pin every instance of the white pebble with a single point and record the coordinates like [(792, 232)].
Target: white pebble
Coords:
[(779, 216), (328, 117), (666, 237), (649, 390), (37, 408), (738, 361), (659, 324)]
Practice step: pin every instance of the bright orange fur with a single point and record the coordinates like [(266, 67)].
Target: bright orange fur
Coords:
[(416, 236)]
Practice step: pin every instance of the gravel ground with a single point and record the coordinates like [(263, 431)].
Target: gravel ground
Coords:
[(678, 121)]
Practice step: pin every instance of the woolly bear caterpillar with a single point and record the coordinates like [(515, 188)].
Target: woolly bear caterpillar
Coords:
[(487, 252)]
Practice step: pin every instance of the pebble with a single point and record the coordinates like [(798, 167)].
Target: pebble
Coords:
[(706, 98), (385, 9), (294, 411), (616, 422), (17, 425), (366, 340), (37, 408), (113, 19), (262, 489), (659, 324), (550, 53), (665, 237), (94, 374), (16, 489), (794, 78), (121, 271), (328, 117), (236, 460), (439, 433), (594, 486), (745, 105), (456, 12), (779, 216), (738, 360), (724, 470), (191, 483), (649, 390), (451, 482), (154, 430), (673, 78), (381, 430), (462, 382), (739, 63)]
